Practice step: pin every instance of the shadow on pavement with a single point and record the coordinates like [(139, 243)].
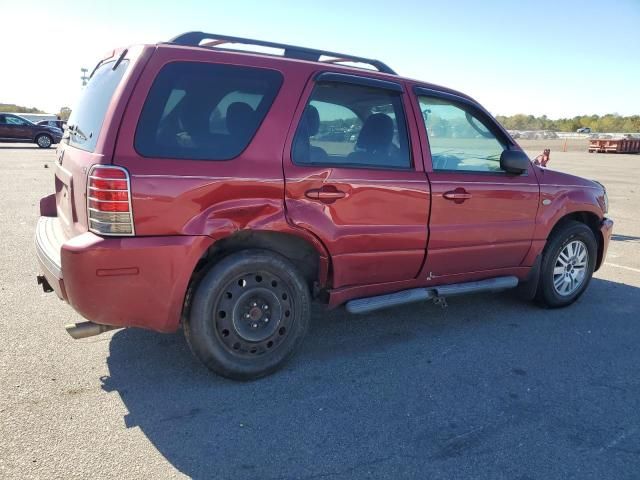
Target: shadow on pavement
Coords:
[(489, 387)]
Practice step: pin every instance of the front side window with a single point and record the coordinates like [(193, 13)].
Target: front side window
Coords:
[(203, 111), (459, 141), (354, 126)]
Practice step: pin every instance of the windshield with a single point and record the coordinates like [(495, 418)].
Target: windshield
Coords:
[(86, 118)]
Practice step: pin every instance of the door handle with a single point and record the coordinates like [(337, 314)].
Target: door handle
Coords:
[(458, 195), (330, 195), (327, 194)]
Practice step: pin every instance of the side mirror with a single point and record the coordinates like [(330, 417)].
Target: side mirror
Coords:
[(514, 161)]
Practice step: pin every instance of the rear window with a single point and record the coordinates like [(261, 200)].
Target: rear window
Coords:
[(204, 111), (87, 117)]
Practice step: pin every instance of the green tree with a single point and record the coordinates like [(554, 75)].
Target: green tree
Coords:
[(64, 113), (611, 122), (12, 108)]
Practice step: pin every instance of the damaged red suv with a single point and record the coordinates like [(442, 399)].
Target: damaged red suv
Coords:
[(225, 190)]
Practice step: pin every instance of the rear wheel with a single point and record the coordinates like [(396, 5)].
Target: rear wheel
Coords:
[(44, 141), (567, 265), (249, 315)]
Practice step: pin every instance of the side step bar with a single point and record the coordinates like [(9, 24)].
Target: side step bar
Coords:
[(489, 285), (370, 304)]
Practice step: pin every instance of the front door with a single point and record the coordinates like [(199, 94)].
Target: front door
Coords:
[(354, 179), (482, 217), (17, 128)]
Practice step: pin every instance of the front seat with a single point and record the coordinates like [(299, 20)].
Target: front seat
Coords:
[(375, 141)]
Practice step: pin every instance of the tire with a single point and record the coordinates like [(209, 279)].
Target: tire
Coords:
[(44, 141), (249, 315), (568, 263)]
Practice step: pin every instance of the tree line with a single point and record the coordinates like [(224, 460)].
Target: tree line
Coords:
[(12, 108), (608, 123)]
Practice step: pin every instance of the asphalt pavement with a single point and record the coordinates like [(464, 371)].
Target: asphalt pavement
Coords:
[(489, 387)]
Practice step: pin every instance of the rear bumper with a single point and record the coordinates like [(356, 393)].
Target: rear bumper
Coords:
[(124, 282), (48, 242), (606, 229)]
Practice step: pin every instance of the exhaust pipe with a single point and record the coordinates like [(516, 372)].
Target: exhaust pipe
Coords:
[(87, 329)]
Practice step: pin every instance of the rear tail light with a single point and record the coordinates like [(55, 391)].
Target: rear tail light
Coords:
[(109, 201)]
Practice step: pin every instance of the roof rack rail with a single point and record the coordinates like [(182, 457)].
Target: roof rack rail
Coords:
[(290, 51)]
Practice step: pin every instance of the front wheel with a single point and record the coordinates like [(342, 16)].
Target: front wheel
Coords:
[(567, 265), (249, 314)]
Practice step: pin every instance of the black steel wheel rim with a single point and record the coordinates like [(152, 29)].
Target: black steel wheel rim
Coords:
[(254, 313)]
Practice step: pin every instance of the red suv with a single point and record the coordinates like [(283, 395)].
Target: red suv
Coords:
[(224, 190)]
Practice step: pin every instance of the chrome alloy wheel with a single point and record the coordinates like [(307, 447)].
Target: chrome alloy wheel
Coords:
[(44, 141), (570, 269)]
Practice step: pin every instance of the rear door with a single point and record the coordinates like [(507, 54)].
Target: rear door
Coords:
[(482, 218), (18, 128), (355, 180)]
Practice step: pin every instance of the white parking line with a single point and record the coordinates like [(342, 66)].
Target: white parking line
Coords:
[(637, 270)]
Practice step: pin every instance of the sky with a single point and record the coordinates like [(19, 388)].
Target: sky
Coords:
[(558, 58)]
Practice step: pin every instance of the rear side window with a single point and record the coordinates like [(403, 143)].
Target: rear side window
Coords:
[(352, 126), (202, 111), (87, 117)]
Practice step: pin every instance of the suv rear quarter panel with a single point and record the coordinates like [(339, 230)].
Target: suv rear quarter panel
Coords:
[(209, 197)]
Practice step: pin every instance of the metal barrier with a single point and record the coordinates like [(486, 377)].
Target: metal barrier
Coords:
[(617, 145)]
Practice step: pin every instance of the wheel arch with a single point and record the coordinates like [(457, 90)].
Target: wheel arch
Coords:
[(305, 252), (591, 220), (302, 252)]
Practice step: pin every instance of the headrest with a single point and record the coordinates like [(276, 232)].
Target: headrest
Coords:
[(312, 120), (376, 133), (195, 118), (240, 117)]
